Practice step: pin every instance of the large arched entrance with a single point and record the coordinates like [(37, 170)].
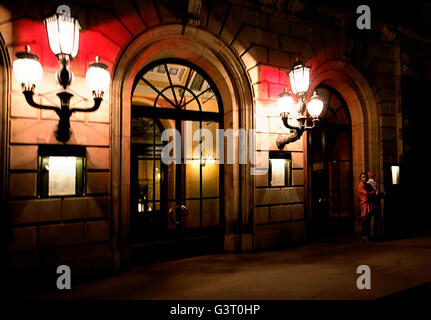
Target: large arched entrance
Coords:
[(175, 206), (206, 52), (330, 167), (359, 98), (4, 102)]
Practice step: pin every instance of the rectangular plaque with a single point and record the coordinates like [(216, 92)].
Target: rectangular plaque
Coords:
[(62, 176), (278, 174)]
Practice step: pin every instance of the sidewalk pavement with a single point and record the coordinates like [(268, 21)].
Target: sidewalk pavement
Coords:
[(323, 270)]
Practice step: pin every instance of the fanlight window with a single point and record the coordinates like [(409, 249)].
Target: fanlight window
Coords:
[(175, 86), (334, 108)]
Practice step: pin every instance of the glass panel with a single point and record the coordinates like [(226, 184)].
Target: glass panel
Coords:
[(191, 146), (316, 145), (210, 179), (192, 180), (210, 212), (190, 103), (335, 103), (143, 95), (143, 133), (331, 145), (333, 204), (345, 145), (165, 103), (178, 74), (342, 117), (210, 138), (209, 101), (157, 179), (345, 202), (333, 175), (332, 116), (145, 179), (171, 181), (345, 174), (211, 156), (193, 219)]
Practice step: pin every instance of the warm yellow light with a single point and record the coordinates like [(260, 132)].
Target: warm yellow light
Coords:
[(63, 32), (210, 160), (27, 69), (299, 78), (315, 106), (395, 174), (285, 103), (97, 77)]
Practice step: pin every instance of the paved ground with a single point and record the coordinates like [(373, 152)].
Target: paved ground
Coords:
[(324, 270)]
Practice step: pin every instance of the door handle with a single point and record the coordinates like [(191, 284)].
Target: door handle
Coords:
[(178, 214)]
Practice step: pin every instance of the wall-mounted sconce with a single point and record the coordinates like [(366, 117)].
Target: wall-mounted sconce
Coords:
[(395, 170), (63, 36), (293, 114)]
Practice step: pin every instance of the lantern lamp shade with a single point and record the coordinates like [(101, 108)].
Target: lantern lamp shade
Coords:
[(27, 70), (97, 77), (285, 103), (299, 78), (63, 34), (315, 106)]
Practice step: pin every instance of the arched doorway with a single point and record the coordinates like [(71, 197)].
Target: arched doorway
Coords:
[(220, 63), (330, 167), (362, 106), (4, 107), (175, 207)]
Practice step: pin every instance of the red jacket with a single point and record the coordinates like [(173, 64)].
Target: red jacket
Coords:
[(365, 192)]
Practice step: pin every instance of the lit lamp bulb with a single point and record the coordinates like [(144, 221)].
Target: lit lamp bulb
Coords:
[(27, 70), (97, 78), (315, 105), (285, 103), (299, 78), (63, 33)]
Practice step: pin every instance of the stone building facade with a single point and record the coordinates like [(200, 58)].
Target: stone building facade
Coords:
[(246, 48)]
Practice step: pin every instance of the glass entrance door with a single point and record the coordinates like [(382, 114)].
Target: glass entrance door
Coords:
[(175, 206), (330, 167)]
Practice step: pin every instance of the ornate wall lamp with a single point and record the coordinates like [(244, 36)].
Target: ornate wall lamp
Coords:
[(293, 114), (63, 35)]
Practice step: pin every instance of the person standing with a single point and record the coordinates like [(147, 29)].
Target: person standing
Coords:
[(376, 213), (366, 192)]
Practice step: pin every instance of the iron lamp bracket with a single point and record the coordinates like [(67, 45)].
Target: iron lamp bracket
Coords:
[(64, 112)]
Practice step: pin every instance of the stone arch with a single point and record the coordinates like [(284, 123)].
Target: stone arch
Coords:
[(5, 73), (226, 70), (364, 115)]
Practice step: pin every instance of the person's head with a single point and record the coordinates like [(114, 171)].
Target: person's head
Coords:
[(371, 174), (364, 177)]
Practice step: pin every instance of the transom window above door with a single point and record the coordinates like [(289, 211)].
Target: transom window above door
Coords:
[(176, 86)]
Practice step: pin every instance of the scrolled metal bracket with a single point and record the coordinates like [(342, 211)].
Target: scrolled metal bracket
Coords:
[(64, 112)]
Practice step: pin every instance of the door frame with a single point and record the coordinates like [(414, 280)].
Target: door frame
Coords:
[(226, 69), (334, 128)]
